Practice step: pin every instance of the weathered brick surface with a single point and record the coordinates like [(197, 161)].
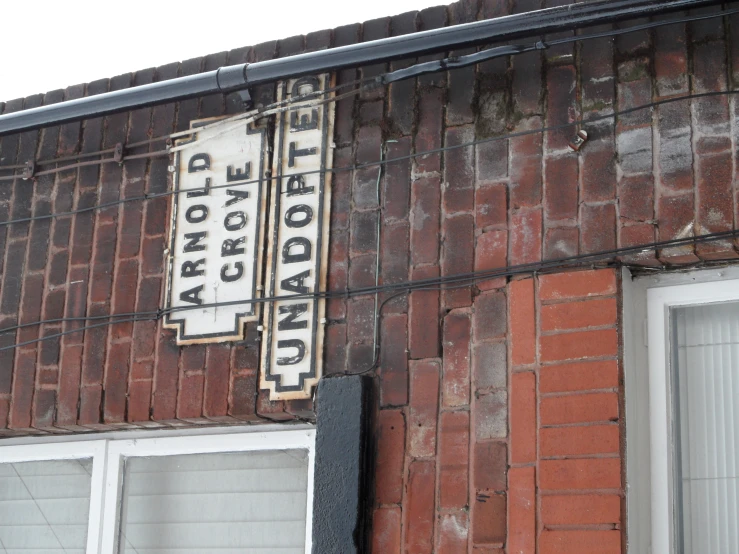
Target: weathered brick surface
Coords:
[(498, 421)]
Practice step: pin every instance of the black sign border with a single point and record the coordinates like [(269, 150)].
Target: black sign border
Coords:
[(283, 118)]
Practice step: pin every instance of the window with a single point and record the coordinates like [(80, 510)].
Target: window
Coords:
[(145, 492), (682, 378)]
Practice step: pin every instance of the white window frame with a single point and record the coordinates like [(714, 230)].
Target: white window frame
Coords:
[(647, 304), (109, 450)]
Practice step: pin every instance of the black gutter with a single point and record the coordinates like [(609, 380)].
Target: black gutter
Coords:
[(239, 77)]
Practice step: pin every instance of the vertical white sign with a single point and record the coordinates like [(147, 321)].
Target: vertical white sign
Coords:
[(217, 233), (292, 348)]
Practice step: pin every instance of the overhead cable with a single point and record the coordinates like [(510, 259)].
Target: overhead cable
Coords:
[(436, 283)]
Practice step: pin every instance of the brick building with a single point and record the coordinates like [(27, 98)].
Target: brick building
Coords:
[(501, 410)]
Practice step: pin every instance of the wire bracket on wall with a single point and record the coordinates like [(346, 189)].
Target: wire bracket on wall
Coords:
[(29, 170), (579, 140)]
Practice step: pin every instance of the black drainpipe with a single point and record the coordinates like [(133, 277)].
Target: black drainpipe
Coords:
[(240, 77)]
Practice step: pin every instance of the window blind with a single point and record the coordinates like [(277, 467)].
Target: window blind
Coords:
[(706, 397), (44, 506), (225, 503)]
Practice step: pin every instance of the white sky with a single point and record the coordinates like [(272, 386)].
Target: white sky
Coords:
[(51, 44)]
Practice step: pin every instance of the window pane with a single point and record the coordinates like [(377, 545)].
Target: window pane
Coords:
[(44, 506), (706, 428), (245, 502)]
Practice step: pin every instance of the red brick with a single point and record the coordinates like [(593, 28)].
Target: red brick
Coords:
[(216, 380), (636, 197), (561, 98), (4, 407), (335, 347), (70, 370), (44, 407), (526, 175), (456, 374), (579, 441), (492, 156), (579, 376), (715, 204), (580, 542), (561, 243), (242, 402), (522, 322), (428, 136), (675, 214), (490, 367), (338, 275), (423, 317), (33, 296), (362, 271), (521, 510), (424, 407), (561, 189), (671, 60), (102, 263), (457, 256), (454, 447), (124, 295), (490, 254), (636, 235), (579, 344), (490, 415), (490, 321), (165, 377), (453, 532), (577, 284), (142, 370), (393, 367), (394, 260), (599, 171), (490, 465), (91, 398), (579, 315), (23, 381), (425, 219), (489, 518), (386, 531), (634, 93), (580, 509), (579, 408), (116, 381), (139, 401), (390, 456), (525, 237), (597, 473), (396, 192), (597, 228), (419, 507), (190, 397), (523, 417), (363, 237), (192, 358), (458, 194), (491, 206)]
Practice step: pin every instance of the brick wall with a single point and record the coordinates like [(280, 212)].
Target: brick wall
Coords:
[(498, 417)]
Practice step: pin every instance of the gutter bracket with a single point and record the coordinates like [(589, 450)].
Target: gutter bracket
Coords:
[(246, 98)]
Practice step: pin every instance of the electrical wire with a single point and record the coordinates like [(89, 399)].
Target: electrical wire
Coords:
[(384, 79), (437, 283), (518, 134)]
